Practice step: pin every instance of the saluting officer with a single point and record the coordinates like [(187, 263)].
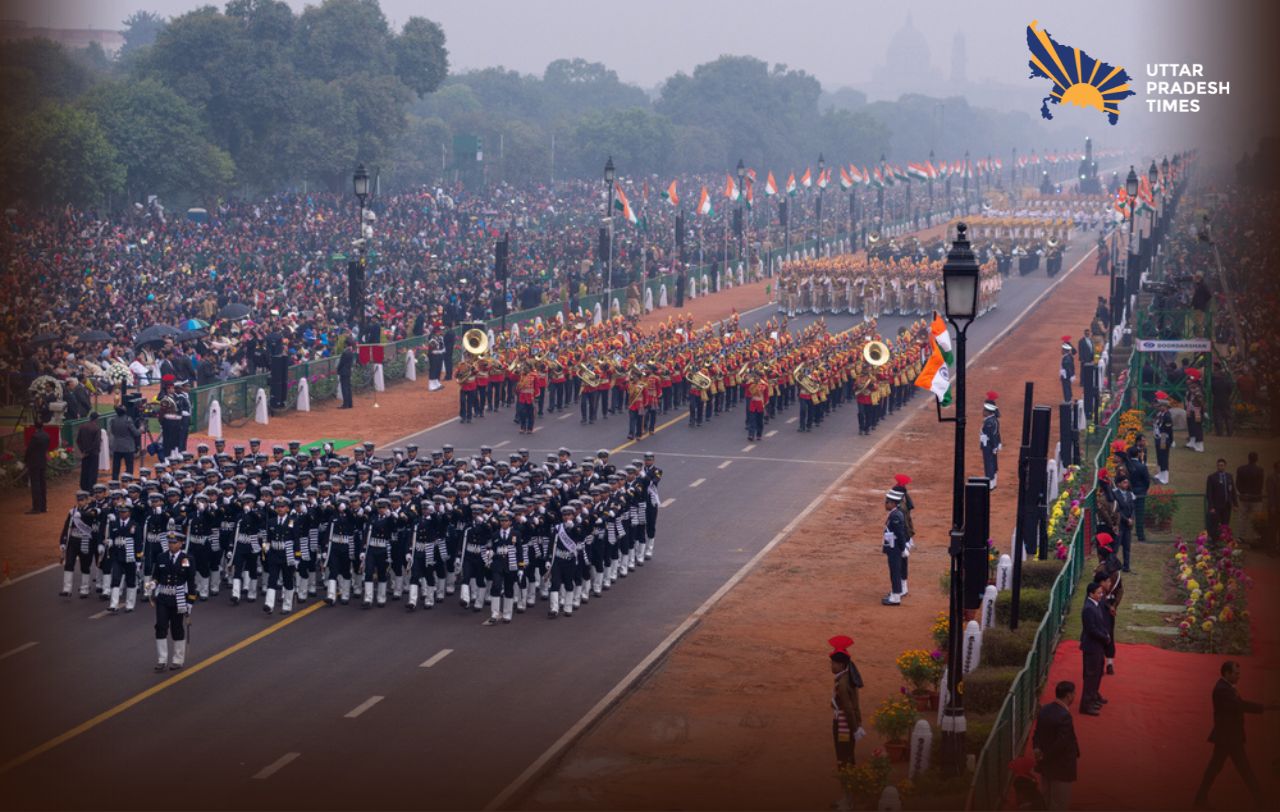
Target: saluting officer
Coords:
[(989, 438), (172, 585)]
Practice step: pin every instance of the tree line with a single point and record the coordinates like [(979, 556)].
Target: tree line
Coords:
[(254, 98)]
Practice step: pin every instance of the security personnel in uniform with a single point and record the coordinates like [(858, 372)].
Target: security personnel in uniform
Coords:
[(280, 555), (77, 543), (173, 581), (895, 547), (989, 438)]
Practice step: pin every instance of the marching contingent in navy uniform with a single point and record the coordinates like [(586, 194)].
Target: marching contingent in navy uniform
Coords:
[(498, 534)]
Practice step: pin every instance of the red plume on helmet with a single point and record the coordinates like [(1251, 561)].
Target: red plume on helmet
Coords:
[(840, 644), (902, 479), (1066, 339), (992, 395)]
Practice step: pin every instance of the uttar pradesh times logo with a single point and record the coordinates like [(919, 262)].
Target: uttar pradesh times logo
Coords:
[(1083, 81)]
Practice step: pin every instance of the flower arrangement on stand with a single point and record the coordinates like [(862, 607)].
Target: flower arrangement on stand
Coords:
[(1162, 506), (866, 781), (940, 629), (922, 669), (1212, 583)]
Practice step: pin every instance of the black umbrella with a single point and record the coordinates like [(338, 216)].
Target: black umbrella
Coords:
[(155, 334), (44, 338), (94, 335), (189, 335), (235, 310)]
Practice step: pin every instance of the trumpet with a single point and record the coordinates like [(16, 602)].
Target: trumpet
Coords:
[(475, 341), (876, 353)]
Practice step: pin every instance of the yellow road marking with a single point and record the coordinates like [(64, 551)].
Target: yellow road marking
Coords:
[(85, 727), (630, 443)]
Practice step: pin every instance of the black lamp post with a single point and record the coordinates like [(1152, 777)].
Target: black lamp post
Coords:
[(742, 210), (960, 292), (1117, 303), (880, 191), (1153, 177), (818, 212), (360, 185), (608, 216)]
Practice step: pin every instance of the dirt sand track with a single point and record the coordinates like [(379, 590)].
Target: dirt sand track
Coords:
[(737, 716)]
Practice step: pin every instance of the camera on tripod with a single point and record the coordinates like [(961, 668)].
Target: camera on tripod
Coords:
[(134, 406)]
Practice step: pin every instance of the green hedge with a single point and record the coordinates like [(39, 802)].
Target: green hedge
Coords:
[(1001, 647), (1040, 574), (1035, 602), (985, 687)]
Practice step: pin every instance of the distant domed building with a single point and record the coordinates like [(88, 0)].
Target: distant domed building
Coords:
[(908, 66)]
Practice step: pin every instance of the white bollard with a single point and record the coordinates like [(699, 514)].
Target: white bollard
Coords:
[(944, 695), (261, 414), (972, 646), (379, 382), (597, 315), (921, 744), (215, 419), (890, 800), (304, 395), (662, 295), (989, 606), (410, 366), (1004, 573), (742, 274), (648, 300), (104, 451), (1051, 467), (560, 316), (537, 322), (693, 287), (614, 307), (515, 330)]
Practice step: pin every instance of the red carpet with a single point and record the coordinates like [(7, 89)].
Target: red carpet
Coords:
[(1149, 747)]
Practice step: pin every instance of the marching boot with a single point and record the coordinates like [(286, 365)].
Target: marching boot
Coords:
[(465, 594), (566, 603), (344, 590), (495, 610), (358, 585), (84, 586), (215, 581), (253, 588), (331, 592), (114, 606), (368, 594), (892, 599), (202, 587), (235, 591), (435, 594), (554, 610), (382, 594), (397, 586), (412, 603), (507, 604), (66, 584), (480, 595), (130, 598), (313, 583), (269, 603), (450, 581), (522, 600), (286, 605), (994, 477), (301, 589), (179, 655), (162, 653), (904, 587), (648, 549), (428, 595), (597, 582)]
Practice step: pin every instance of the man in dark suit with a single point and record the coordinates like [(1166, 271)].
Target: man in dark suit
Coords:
[(450, 341), (37, 461), (1056, 748), (1228, 735), (1094, 640), (344, 374), (1220, 496), (89, 444)]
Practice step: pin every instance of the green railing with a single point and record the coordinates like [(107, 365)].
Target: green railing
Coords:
[(1013, 723)]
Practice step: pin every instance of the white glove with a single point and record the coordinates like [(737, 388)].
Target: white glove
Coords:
[(999, 448), (982, 440), (859, 734), (1062, 373)]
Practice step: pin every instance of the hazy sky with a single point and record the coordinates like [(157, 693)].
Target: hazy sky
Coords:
[(840, 42)]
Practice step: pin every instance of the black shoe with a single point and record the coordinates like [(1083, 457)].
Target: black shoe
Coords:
[(160, 667), (174, 666), (1111, 670), (553, 614), (1102, 700), (1091, 710), (886, 602), (489, 622), (64, 594), (235, 601)]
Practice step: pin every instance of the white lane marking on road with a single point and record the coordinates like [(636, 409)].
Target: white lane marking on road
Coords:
[(19, 649), (770, 432), (437, 657), (25, 576), (276, 766), (565, 416), (747, 448), (501, 444), (659, 651), (697, 482), (667, 502), (725, 464), (103, 613), (363, 706), (792, 419)]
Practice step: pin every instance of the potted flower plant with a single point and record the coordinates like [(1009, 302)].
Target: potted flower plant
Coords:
[(894, 719), (923, 670)]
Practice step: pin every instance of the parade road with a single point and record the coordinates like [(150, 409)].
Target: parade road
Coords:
[(340, 707)]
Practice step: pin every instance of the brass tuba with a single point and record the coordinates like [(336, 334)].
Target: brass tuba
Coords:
[(876, 353), (475, 341), (700, 379), (807, 384), (586, 374)]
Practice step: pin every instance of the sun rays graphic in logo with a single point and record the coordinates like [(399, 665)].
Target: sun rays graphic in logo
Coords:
[(1078, 79)]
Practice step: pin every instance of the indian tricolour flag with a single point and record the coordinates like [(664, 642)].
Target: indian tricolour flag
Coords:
[(730, 188), (917, 172), (704, 203), (770, 185), (806, 180), (936, 375), (791, 183), (671, 196), (622, 204), (846, 182)]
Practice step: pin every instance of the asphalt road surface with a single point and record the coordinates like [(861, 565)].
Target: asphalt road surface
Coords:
[(335, 708)]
